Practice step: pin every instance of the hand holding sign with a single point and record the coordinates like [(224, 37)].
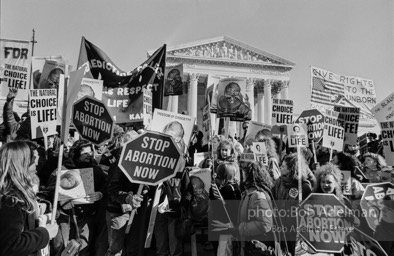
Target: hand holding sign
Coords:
[(134, 200)]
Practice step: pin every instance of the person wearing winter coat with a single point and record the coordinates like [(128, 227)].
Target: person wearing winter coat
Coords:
[(74, 216), (19, 234)]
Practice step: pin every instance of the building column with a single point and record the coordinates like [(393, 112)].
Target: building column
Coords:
[(250, 94), (256, 108), (267, 102), (192, 95), (285, 90), (260, 107)]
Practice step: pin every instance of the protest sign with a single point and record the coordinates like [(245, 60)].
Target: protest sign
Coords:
[(92, 120), (254, 128), (15, 61), (384, 113), (200, 179), (200, 157), (147, 110), (123, 91), (321, 222), (204, 179), (232, 99), (297, 135), (315, 122), (173, 84), (329, 89), (177, 125), (76, 184), (43, 107), (346, 182), (206, 125), (260, 151), (388, 141), (282, 111), (37, 66), (247, 157), (279, 129), (350, 118), (150, 158), (363, 141), (213, 93), (50, 75), (372, 201), (363, 245), (91, 87), (384, 110), (333, 133)]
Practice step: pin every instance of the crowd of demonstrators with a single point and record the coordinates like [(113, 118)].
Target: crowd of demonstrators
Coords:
[(97, 226)]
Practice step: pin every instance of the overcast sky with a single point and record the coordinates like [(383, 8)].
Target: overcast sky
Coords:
[(347, 37)]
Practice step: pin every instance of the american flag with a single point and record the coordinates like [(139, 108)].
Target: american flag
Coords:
[(326, 92)]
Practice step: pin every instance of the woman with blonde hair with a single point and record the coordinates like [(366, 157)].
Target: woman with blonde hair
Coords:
[(18, 205)]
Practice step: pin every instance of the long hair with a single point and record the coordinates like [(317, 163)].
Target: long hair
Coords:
[(291, 161), (257, 175), (15, 177), (325, 170), (223, 143)]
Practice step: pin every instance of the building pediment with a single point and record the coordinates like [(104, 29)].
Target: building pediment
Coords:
[(225, 49)]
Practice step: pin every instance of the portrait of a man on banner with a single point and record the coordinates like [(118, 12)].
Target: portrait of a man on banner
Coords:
[(173, 84), (232, 99)]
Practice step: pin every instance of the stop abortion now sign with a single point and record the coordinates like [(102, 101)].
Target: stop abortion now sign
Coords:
[(150, 158), (93, 120), (315, 123)]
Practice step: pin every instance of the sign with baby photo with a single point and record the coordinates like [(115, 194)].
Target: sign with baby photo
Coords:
[(76, 184), (179, 126)]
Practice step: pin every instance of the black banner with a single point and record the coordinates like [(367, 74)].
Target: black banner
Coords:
[(123, 91)]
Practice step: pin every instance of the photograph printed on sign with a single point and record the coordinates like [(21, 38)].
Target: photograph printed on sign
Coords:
[(233, 101), (91, 87), (297, 135), (254, 128), (260, 151), (173, 84), (76, 184), (50, 76), (179, 126)]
